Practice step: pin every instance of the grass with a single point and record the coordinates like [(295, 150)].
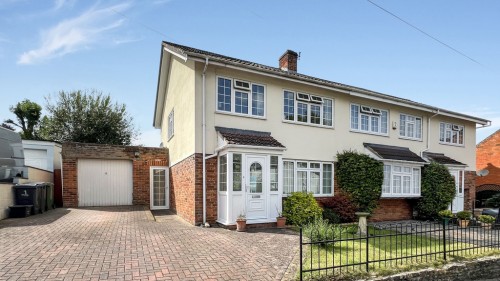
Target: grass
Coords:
[(388, 253)]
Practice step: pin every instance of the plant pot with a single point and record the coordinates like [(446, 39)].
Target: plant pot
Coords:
[(446, 221), (241, 225), (280, 222), (486, 225), (463, 223)]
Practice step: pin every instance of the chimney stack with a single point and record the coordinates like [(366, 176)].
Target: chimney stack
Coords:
[(288, 61)]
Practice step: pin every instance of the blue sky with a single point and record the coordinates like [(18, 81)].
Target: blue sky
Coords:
[(114, 46)]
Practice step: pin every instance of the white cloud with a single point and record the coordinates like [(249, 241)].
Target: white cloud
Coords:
[(150, 138), (75, 34), (161, 2)]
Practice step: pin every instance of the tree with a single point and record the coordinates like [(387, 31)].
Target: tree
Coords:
[(90, 117), (438, 190), (7, 126), (28, 115)]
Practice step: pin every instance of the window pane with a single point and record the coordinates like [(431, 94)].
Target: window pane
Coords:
[(223, 173), (314, 165), (406, 184), (418, 128), (289, 105), (224, 94), (315, 114), (241, 102), (301, 112), (274, 173), (302, 165), (257, 100), (410, 130), (288, 177), (402, 125), (315, 182), (441, 132), (328, 112), (384, 122), (365, 119), (375, 120), (354, 117), (302, 181), (386, 187), (255, 178), (327, 179), (416, 181), (237, 180), (396, 186), (461, 136)]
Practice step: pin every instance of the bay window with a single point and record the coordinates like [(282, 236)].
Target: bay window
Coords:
[(401, 180), (307, 109), (305, 176)]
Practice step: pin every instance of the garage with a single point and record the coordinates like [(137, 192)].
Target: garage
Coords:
[(103, 182)]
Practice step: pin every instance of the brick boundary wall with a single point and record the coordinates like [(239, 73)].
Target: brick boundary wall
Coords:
[(148, 156), (469, 189)]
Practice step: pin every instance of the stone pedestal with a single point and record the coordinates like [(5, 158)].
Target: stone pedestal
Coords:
[(362, 223)]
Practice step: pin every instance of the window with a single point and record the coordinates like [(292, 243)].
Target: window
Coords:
[(315, 177), (171, 124), (370, 120), (274, 173), (305, 108), (244, 98), (451, 134), (401, 181), (410, 127), (223, 173), (237, 179)]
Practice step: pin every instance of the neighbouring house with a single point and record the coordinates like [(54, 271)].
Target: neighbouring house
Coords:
[(242, 135), (488, 167)]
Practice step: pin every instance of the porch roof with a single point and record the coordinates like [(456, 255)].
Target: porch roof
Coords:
[(442, 159), (248, 137), (389, 152)]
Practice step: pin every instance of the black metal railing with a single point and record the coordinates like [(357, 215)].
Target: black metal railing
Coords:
[(344, 250)]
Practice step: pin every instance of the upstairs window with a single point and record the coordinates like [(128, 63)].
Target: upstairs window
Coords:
[(306, 108), (369, 120), (410, 127), (240, 97), (451, 134), (170, 125)]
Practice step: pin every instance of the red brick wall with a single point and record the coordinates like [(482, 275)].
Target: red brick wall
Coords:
[(148, 156), (488, 157), (211, 191), (469, 189), (392, 210), (182, 182)]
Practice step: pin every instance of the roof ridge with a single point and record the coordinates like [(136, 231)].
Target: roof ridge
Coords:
[(487, 138)]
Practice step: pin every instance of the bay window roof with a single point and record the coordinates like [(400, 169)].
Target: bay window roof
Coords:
[(389, 152), (248, 137), (442, 159)]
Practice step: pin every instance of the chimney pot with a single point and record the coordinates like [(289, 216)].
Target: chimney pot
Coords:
[(288, 61)]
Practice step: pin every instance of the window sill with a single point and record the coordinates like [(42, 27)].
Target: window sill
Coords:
[(368, 133), (241, 115), (451, 144), (410, 139), (400, 196), (307, 124), (314, 195)]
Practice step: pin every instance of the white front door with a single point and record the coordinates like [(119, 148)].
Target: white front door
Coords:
[(458, 202), (159, 191), (256, 187)]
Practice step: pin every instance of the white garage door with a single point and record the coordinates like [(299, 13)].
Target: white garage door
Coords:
[(104, 182)]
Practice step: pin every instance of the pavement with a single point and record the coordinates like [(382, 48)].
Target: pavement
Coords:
[(128, 243)]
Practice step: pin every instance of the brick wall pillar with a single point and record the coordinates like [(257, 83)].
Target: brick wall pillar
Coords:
[(469, 190)]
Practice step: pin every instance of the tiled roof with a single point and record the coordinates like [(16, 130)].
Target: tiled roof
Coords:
[(441, 159), (248, 137), (185, 50), (390, 152)]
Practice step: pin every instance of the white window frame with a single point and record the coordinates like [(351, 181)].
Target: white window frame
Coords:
[(402, 174), (233, 98), (170, 132), (309, 103), (442, 134), (369, 115), (414, 126), (309, 170)]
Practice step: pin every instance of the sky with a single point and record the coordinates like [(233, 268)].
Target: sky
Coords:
[(446, 54)]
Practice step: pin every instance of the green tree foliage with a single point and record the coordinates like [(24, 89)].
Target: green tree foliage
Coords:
[(90, 117), (438, 190), (301, 208), (361, 177), (28, 115)]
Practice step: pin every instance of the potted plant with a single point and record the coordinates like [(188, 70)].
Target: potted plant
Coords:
[(463, 218), (241, 222), (280, 220), (446, 215), (486, 220)]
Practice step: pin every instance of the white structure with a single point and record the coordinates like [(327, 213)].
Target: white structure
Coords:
[(44, 155)]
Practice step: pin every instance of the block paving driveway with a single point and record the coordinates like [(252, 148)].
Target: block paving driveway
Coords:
[(126, 243)]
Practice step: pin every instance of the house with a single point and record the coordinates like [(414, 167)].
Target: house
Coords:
[(242, 135), (488, 167)]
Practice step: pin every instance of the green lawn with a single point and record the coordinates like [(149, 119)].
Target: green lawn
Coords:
[(395, 251)]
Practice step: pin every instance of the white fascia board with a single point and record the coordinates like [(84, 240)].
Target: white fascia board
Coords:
[(161, 89), (174, 52), (250, 149)]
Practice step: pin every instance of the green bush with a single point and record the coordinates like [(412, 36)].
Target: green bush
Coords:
[(493, 202), (445, 214), (438, 191), (361, 177), (464, 215), (321, 230), (301, 208), (330, 215), (486, 219)]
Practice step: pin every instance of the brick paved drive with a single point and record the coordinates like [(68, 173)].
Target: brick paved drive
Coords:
[(125, 243)]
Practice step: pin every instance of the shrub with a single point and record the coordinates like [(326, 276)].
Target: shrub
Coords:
[(301, 208), (438, 190), (361, 177), (493, 202), (330, 215), (464, 215), (342, 205), (321, 230), (445, 214), (486, 219)]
